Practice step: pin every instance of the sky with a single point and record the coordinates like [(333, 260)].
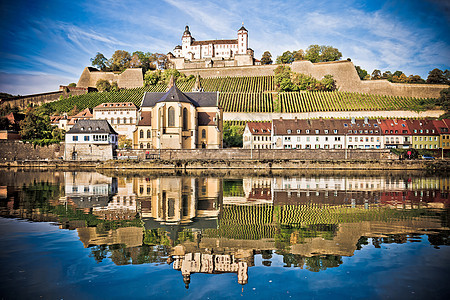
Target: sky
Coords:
[(48, 43)]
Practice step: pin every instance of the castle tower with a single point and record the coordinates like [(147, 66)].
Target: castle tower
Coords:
[(186, 41), (242, 40)]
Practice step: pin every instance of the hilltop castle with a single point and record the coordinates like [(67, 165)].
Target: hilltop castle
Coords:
[(212, 53)]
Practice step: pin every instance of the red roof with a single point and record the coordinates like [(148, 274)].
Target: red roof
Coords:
[(146, 119), (422, 127), (214, 42), (260, 128), (442, 126), (394, 127)]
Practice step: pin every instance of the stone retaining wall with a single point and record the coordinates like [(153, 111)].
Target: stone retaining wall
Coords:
[(18, 150)]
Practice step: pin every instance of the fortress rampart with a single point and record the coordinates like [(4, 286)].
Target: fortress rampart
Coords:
[(130, 78), (344, 72)]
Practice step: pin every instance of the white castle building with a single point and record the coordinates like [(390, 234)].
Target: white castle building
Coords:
[(212, 53)]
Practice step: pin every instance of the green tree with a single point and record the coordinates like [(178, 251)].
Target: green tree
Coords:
[(415, 79), (114, 86), (298, 55), (361, 72), (72, 84), (103, 85), (100, 61), (266, 58), (316, 53), (120, 60), (74, 111), (376, 74), (152, 77), (283, 78), (436, 76), (286, 58), (444, 99), (232, 135), (397, 73), (35, 126), (387, 75), (4, 124)]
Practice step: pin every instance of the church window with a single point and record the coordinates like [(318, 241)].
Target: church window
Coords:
[(185, 119), (148, 133), (171, 113), (141, 146), (148, 145), (203, 133), (141, 134)]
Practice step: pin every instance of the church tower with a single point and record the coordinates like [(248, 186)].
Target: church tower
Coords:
[(186, 41), (242, 40)]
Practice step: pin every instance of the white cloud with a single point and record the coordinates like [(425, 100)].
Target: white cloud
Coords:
[(26, 84)]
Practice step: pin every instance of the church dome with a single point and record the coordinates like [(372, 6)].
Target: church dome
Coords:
[(186, 31)]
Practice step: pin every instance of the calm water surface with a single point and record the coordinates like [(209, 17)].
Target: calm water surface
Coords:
[(88, 235)]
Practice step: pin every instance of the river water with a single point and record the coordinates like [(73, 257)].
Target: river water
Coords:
[(138, 235)]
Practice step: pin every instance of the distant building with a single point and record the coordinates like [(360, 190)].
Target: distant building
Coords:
[(177, 120), (212, 53), (90, 140), (443, 128), (396, 133), (424, 134), (122, 116), (66, 122)]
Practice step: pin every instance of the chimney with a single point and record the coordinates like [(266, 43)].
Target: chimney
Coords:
[(171, 83)]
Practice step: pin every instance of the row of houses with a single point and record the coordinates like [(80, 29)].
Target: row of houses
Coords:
[(347, 134)]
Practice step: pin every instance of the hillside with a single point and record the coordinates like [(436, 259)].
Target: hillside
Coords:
[(256, 94)]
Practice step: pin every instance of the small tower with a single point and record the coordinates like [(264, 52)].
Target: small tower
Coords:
[(171, 83), (186, 41), (242, 40)]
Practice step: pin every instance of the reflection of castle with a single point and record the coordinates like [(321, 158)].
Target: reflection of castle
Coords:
[(210, 263)]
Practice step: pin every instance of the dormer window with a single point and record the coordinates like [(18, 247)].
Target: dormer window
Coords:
[(299, 131), (90, 128), (335, 131), (82, 128), (289, 131), (317, 131), (415, 130), (307, 130), (326, 130), (345, 125)]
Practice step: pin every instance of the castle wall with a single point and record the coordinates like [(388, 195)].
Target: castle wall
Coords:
[(18, 150), (130, 78), (344, 72)]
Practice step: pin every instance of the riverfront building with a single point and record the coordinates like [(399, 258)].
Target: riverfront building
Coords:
[(177, 120), (121, 116)]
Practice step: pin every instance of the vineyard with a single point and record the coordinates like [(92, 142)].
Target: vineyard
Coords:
[(255, 95)]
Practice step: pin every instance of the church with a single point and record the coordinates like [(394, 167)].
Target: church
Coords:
[(177, 120), (212, 53)]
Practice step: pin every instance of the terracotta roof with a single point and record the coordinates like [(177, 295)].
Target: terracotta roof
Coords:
[(260, 128), (214, 42), (394, 127), (56, 119), (115, 105), (206, 118), (422, 127), (442, 126), (86, 113), (146, 119)]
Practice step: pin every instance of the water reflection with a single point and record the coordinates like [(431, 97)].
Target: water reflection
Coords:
[(219, 224)]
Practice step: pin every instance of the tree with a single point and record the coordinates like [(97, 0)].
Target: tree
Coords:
[(444, 99), (283, 78), (232, 135), (103, 85), (415, 79), (298, 55), (266, 58), (286, 58), (124, 143), (376, 74), (152, 77), (361, 72), (100, 61), (316, 53), (72, 84), (74, 111), (114, 86), (436, 76), (387, 75), (35, 126), (120, 60), (397, 73), (135, 61)]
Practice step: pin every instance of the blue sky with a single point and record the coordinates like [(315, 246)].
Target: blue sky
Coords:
[(48, 43)]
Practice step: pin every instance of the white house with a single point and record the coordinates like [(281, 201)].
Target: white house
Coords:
[(90, 140)]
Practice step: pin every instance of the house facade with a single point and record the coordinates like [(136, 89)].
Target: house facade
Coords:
[(177, 120), (257, 135), (90, 140), (121, 116)]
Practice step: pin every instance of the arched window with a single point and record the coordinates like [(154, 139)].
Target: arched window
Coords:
[(141, 134), (203, 133), (112, 120), (171, 113), (148, 134), (141, 146), (185, 119), (124, 120), (148, 145)]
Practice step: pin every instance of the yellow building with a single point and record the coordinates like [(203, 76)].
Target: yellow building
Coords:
[(424, 134), (442, 127), (177, 120)]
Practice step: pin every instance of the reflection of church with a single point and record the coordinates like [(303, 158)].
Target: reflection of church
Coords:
[(176, 203), (210, 263)]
